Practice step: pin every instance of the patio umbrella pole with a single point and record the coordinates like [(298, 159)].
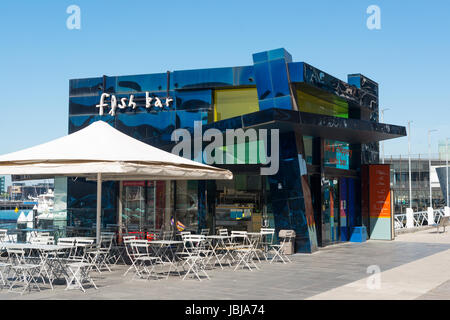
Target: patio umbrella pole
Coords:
[(99, 205)]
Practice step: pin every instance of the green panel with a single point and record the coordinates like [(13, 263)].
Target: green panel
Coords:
[(234, 102), (251, 148), (313, 104)]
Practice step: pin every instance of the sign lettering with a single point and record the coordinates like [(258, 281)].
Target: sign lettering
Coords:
[(150, 102)]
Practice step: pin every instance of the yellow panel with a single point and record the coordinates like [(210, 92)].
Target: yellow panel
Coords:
[(312, 104), (231, 103)]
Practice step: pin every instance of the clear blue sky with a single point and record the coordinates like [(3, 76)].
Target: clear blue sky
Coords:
[(409, 56)]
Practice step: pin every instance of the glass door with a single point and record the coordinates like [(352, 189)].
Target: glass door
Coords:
[(133, 214), (330, 212)]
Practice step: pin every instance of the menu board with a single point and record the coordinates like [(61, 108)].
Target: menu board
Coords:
[(379, 194)]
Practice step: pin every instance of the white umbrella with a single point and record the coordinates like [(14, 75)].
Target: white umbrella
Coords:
[(100, 152)]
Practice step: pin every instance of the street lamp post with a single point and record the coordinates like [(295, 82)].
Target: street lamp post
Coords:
[(382, 142), (446, 169), (409, 163), (429, 165), (409, 211)]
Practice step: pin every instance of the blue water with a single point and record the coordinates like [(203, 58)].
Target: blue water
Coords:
[(8, 218)]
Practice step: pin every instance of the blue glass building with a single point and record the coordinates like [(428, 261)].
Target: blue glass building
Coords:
[(327, 130)]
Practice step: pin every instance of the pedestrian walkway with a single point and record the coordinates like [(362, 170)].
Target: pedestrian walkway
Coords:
[(414, 266)]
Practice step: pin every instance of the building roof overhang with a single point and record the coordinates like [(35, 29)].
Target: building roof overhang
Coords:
[(328, 127)]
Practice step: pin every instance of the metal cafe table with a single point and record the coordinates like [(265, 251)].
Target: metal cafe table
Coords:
[(165, 250), (217, 240), (21, 233), (53, 267)]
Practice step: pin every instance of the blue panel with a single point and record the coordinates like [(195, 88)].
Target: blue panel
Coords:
[(286, 195), (260, 57), (78, 87), (296, 70), (84, 104), (193, 100), (280, 53), (279, 78), (185, 119), (142, 83), (352, 219), (244, 76), (263, 81), (283, 102), (146, 125), (270, 69), (203, 78)]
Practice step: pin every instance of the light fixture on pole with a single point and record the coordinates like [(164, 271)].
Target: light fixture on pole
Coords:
[(446, 165), (409, 162), (429, 164), (382, 142)]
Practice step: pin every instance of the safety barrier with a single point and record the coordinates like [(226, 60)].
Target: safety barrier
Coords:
[(419, 218)]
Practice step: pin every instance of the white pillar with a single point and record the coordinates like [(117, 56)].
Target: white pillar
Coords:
[(409, 218), (99, 206), (430, 216)]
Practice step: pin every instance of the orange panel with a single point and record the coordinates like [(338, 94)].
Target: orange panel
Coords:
[(380, 196)]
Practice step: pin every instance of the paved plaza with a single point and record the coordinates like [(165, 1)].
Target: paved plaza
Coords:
[(414, 266)]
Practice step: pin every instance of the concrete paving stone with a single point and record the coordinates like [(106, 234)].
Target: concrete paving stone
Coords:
[(410, 269)]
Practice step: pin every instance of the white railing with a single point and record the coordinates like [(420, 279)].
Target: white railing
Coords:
[(419, 219)]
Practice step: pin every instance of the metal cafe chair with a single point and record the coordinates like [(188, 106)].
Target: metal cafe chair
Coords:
[(127, 241), (143, 260), (267, 235), (23, 272), (223, 232), (278, 249), (194, 255), (167, 235), (5, 269), (98, 256), (79, 274), (243, 249), (3, 235), (204, 232)]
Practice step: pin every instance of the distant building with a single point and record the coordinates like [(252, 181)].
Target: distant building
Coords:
[(420, 183), (20, 191), (2, 184)]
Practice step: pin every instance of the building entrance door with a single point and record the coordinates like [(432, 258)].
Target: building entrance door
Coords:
[(133, 215), (330, 212)]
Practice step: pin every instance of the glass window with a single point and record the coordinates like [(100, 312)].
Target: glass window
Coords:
[(187, 204), (239, 204), (308, 143), (234, 102), (337, 154)]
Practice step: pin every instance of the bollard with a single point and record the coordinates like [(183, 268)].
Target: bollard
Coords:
[(430, 217), (409, 218)]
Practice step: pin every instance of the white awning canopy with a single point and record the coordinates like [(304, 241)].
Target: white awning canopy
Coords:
[(101, 152), (99, 148)]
